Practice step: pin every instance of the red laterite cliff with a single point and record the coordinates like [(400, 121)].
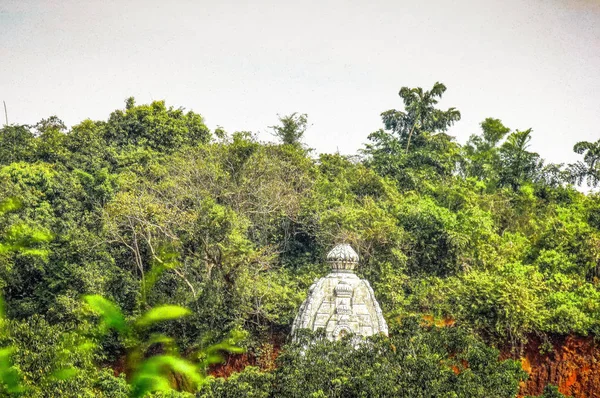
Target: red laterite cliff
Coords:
[(573, 364)]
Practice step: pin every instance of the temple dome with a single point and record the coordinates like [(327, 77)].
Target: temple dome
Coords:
[(341, 302), (342, 257)]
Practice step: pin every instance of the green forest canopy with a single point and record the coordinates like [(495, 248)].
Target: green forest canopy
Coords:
[(150, 208)]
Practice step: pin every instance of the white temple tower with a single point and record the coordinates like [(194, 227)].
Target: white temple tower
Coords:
[(341, 302)]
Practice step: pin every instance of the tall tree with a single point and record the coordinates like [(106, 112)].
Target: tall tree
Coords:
[(518, 164), (589, 169), (291, 128), (413, 146), (507, 163), (420, 114)]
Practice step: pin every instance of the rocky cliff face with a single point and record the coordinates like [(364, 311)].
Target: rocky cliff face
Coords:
[(572, 363)]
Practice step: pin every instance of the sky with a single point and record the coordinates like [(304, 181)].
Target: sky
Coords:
[(531, 63)]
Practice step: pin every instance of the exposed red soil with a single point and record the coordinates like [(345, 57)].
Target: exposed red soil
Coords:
[(236, 363), (232, 364), (573, 365)]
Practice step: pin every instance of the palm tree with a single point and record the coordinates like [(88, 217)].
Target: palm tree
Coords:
[(589, 169), (518, 164), (419, 113)]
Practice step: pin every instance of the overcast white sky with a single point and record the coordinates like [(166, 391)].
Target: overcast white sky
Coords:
[(531, 63)]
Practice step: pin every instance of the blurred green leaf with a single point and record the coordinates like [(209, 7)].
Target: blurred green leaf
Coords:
[(152, 375), (64, 374), (110, 313), (8, 374), (145, 383), (162, 313)]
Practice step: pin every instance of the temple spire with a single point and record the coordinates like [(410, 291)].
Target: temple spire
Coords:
[(341, 302)]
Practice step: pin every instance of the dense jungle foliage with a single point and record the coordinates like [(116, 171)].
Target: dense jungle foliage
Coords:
[(148, 243)]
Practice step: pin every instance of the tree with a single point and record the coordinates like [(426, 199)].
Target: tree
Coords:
[(482, 159), (507, 163), (419, 114), (51, 139), (413, 148), (518, 165), (589, 169), (51, 123), (155, 126), (552, 175), (17, 144), (291, 128)]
